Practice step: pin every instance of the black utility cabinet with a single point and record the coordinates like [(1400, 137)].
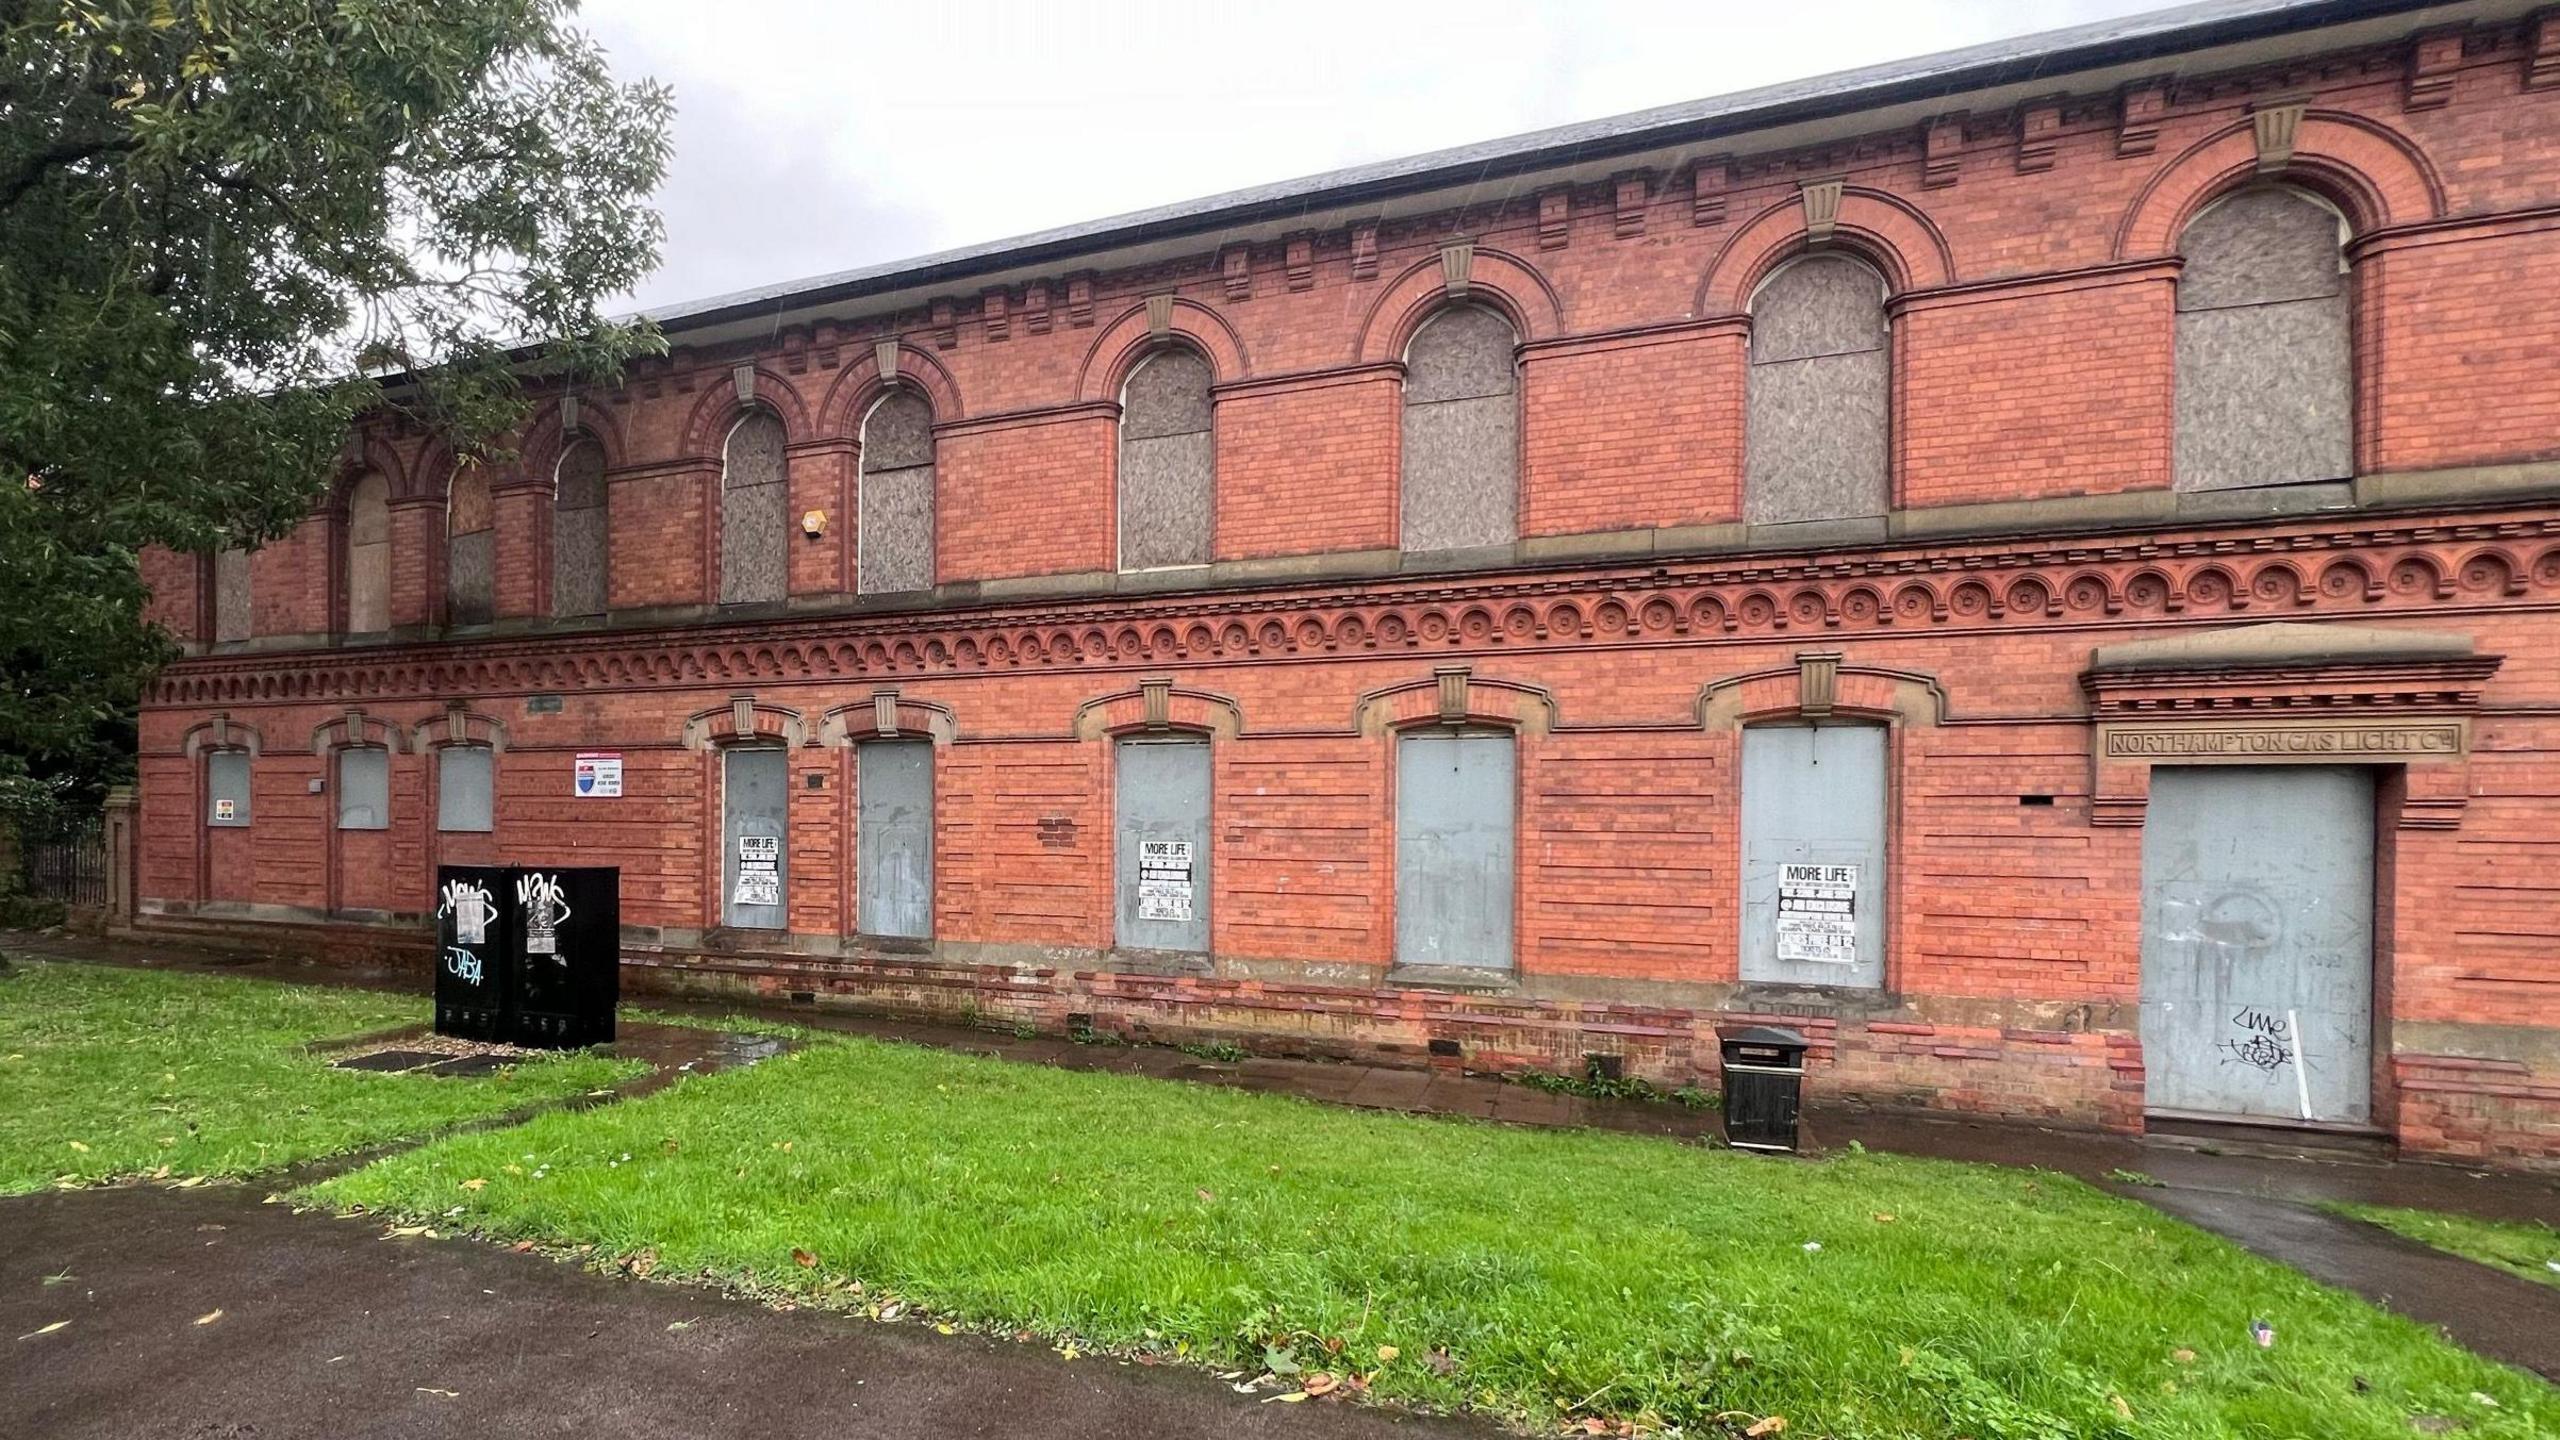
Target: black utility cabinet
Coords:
[(475, 952), (1763, 1087), (569, 954)]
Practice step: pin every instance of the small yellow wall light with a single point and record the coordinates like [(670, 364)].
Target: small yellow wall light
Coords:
[(813, 523)]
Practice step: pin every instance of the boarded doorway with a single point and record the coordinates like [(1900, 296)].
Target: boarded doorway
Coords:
[(754, 856), (893, 859), (1163, 848), (1454, 822), (2257, 944), (1813, 852)]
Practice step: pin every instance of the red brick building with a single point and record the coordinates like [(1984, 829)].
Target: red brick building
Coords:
[(2036, 566)]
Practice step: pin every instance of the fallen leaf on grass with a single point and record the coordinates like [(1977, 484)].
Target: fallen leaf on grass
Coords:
[(1883, 1219), (1387, 1353), (475, 1183), (409, 1232), (76, 1145), (2122, 1408), (1292, 1398), (521, 1246), (1323, 1382), (1207, 1195), (2183, 1357), (210, 1316), (1770, 1425), (47, 1330), (803, 1259)]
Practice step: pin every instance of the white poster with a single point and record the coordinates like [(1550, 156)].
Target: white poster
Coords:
[(545, 902), (1817, 913), (226, 808), (599, 775), (1164, 879), (759, 871)]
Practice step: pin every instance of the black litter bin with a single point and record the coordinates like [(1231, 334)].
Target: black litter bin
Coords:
[(475, 950), (568, 959), (1763, 1087)]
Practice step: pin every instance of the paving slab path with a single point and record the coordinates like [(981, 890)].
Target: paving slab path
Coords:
[(329, 1331)]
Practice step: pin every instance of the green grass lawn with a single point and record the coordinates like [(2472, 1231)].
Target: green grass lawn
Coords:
[(1538, 1275), (107, 1073), (2519, 1247)]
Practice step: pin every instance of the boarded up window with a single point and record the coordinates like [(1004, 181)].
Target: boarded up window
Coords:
[(368, 555), (465, 781), (364, 789), (1168, 465), (226, 787), (1461, 432), (232, 596), (893, 856), (2265, 392), (755, 503), (1813, 855), (1818, 395), (578, 531), (470, 564), (1455, 829), (755, 807), (896, 538)]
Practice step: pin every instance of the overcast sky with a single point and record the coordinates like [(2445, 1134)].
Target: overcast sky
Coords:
[(820, 135)]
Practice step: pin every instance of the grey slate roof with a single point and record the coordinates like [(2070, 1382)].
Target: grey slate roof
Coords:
[(2050, 53)]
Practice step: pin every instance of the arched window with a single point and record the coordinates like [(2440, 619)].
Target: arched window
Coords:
[(1461, 432), (755, 504), (233, 617), (368, 555), (470, 564), (1168, 465), (578, 531), (2265, 386), (895, 533), (1818, 396)]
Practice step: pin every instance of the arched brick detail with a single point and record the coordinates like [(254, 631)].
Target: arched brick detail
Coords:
[(1495, 278), (222, 733), (1128, 340), (457, 726), (538, 453), (1158, 706), (1454, 695), (1819, 687), (744, 719), (909, 719), (1885, 230), (373, 450), (859, 383), (429, 475), (2375, 174), (356, 728), (719, 410)]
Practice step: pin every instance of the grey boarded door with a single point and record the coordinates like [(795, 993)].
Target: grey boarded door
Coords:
[(2257, 943), (1813, 882), (754, 855), (1163, 849), (1454, 798), (893, 857)]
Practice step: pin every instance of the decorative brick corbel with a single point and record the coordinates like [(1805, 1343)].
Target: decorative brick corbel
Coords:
[(1298, 260), (942, 314), (1457, 265), (1555, 217), (1942, 151), (2276, 124), (884, 358), (884, 710), (568, 414), (1632, 190), (1035, 307), (1080, 299), (1235, 271), (992, 312), (1453, 693), (1709, 180), (1155, 702), (795, 349), (1160, 314), (2542, 56), (1364, 250), (2039, 135), (2434, 57), (2138, 112), (742, 378), (1817, 682), (1821, 209)]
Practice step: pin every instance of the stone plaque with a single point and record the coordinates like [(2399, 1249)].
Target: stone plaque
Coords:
[(2310, 742)]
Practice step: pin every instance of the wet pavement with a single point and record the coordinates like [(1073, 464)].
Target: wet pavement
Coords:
[(327, 1330), (2262, 1191)]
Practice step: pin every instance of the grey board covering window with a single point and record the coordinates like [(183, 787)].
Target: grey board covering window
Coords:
[(2265, 384), (755, 503), (1461, 484), (1817, 395), (578, 532), (465, 780), (368, 555), (232, 616), (364, 789), (897, 500), (470, 557), (226, 788), (1168, 463)]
